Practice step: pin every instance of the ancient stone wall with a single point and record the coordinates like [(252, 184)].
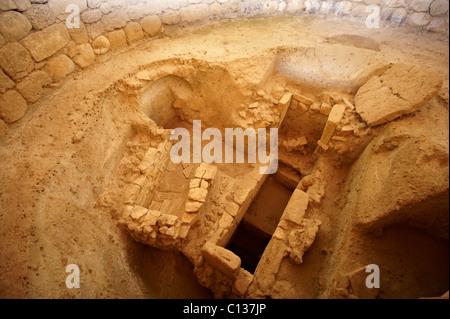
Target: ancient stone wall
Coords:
[(37, 49)]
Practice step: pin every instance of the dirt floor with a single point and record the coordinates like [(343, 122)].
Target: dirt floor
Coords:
[(60, 158)]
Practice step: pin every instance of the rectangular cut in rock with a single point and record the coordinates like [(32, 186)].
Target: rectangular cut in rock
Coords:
[(335, 116), (400, 90), (296, 207), (47, 42), (148, 159), (222, 259)]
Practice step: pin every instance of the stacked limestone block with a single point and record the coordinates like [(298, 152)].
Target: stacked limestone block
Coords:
[(293, 236), (152, 227), (199, 187), (140, 189), (220, 271)]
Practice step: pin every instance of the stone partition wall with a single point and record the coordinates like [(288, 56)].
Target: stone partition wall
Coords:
[(38, 49)]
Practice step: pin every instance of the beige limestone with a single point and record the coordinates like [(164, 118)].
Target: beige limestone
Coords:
[(14, 25), (12, 106), (198, 194), (59, 7), (232, 208), (7, 5), (79, 35), (303, 99), (138, 212), (14, 59), (133, 32), (59, 67), (152, 217), (40, 16), (31, 88), (194, 13), (45, 43), (5, 82), (243, 280), (117, 38), (296, 207), (335, 116), (222, 259), (193, 206), (3, 128), (151, 25), (171, 17), (402, 89), (82, 55), (91, 16), (101, 45), (22, 5), (301, 239)]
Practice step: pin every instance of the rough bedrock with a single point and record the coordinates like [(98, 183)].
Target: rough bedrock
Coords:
[(12, 106), (14, 25), (14, 59), (403, 178), (45, 43), (328, 65), (402, 89)]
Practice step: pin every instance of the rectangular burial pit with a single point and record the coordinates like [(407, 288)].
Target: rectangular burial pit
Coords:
[(259, 223)]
